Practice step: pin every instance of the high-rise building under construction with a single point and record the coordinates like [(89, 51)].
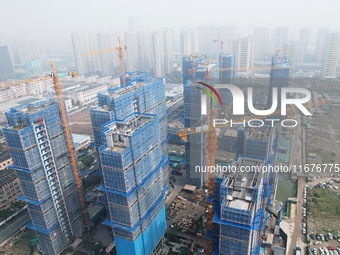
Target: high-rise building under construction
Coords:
[(198, 68), (130, 132), (242, 194), (240, 201), (37, 144)]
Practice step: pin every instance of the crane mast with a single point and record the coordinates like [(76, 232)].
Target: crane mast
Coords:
[(120, 48), (69, 144), (211, 146)]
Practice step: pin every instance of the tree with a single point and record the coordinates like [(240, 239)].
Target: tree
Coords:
[(174, 77), (87, 160), (91, 181)]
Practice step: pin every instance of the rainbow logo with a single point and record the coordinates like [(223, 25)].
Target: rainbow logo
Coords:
[(208, 89)]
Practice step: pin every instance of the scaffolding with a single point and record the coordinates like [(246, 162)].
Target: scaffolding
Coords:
[(132, 167), (52, 177), (37, 145), (239, 204), (153, 233), (141, 94)]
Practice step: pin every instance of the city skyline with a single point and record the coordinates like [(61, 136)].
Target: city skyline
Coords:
[(110, 145), (76, 16)]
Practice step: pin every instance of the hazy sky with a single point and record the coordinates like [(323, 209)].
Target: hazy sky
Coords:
[(37, 16)]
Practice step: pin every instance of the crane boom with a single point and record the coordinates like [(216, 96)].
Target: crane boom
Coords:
[(183, 133), (69, 144), (120, 48)]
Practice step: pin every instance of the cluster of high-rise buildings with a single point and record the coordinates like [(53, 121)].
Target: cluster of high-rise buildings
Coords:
[(130, 130), (145, 51), (159, 52), (130, 134)]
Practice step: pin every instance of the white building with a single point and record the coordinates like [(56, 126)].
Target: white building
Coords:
[(80, 141), (189, 41), (84, 43), (244, 48), (289, 50), (34, 87), (303, 44), (162, 52), (321, 44), (85, 93), (331, 56), (7, 94)]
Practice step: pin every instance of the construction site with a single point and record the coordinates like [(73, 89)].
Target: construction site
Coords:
[(130, 134), (39, 139)]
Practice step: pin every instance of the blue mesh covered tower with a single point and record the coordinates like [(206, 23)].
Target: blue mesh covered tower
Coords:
[(130, 132), (227, 68), (141, 94), (240, 199), (194, 69), (131, 162), (37, 145), (279, 77)]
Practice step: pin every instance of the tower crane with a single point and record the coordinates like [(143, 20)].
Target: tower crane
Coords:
[(211, 147), (120, 48), (69, 144), (65, 124)]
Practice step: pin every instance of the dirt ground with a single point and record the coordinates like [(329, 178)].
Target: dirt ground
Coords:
[(81, 122), (323, 136), (20, 245)]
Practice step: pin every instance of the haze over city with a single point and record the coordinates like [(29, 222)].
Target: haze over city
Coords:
[(55, 21), (170, 127)]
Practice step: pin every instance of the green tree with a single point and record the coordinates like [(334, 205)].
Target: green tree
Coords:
[(91, 181), (87, 160), (174, 77)]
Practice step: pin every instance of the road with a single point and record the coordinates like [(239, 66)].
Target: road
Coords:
[(88, 171), (13, 227), (298, 157), (178, 185), (298, 237)]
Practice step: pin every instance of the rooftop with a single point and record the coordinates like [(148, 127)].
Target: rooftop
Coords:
[(238, 204), (77, 138), (119, 131), (5, 106), (134, 80), (6, 176), (4, 156), (125, 89), (231, 132), (35, 107), (188, 187), (241, 185), (261, 133), (89, 87)]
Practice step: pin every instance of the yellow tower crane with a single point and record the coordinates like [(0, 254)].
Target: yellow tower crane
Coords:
[(120, 48), (69, 144), (211, 147), (65, 124)]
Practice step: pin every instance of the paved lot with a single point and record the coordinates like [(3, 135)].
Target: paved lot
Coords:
[(10, 229)]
